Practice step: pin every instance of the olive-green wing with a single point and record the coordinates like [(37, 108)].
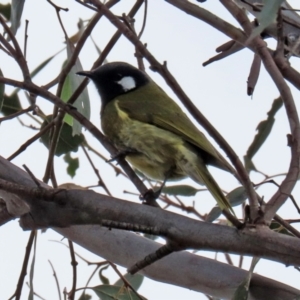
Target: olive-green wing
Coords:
[(150, 104)]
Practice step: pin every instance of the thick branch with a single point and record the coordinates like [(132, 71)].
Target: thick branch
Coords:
[(62, 208), (201, 274)]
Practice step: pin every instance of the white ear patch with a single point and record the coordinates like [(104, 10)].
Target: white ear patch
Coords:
[(127, 83)]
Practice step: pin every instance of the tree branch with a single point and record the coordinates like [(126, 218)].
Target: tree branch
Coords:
[(291, 178), (201, 274)]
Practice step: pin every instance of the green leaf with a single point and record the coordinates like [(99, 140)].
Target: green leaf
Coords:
[(112, 292), (213, 214), (267, 16), (180, 190), (2, 88), (134, 280), (5, 10), (237, 196), (11, 104), (38, 69), (70, 85), (66, 93), (42, 65), (66, 143), (249, 165), (16, 13), (150, 236), (241, 292), (103, 278), (264, 128), (279, 228), (85, 296), (73, 164), (98, 50)]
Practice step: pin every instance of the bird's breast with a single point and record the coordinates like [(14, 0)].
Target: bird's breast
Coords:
[(154, 151)]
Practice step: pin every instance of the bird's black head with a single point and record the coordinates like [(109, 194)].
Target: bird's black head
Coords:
[(115, 79)]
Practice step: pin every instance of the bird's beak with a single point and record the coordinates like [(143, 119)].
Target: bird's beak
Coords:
[(88, 74)]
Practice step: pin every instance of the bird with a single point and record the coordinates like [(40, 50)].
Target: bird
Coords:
[(152, 131)]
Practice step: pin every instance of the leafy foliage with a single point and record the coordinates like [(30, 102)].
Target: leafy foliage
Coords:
[(264, 129), (66, 143)]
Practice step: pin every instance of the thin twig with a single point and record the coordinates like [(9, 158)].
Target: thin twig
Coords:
[(53, 145), (278, 185), (26, 38), (17, 294), (152, 258), (74, 263), (116, 169), (144, 19), (31, 140), (57, 8), (100, 180), (125, 281), (287, 185), (86, 5), (34, 179), (18, 113), (56, 279), (17, 53)]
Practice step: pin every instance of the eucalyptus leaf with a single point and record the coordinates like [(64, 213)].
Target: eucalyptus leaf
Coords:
[(264, 128), (43, 65), (103, 278), (73, 164), (11, 104), (180, 190), (71, 83), (237, 196), (112, 292), (98, 50), (40, 67), (150, 236), (279, 228), (5, 10), (267, 16), (242, 291), (213, 214), (85, 296), (134, 280), (16, 14), (66, 143)]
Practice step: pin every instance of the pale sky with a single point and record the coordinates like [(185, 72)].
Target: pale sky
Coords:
[(219, 91)]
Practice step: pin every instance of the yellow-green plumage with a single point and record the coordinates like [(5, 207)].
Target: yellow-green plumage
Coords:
[(147, 124)]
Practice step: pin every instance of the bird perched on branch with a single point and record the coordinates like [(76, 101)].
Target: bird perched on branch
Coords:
[(152, 131)]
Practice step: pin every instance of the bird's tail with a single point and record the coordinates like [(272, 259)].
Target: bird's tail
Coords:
[(199, 173), (214, 189)]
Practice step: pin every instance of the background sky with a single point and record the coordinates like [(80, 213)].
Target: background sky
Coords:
[(218, 90)]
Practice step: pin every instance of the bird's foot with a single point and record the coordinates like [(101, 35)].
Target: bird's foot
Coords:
[(149, 198), (151, 195)]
